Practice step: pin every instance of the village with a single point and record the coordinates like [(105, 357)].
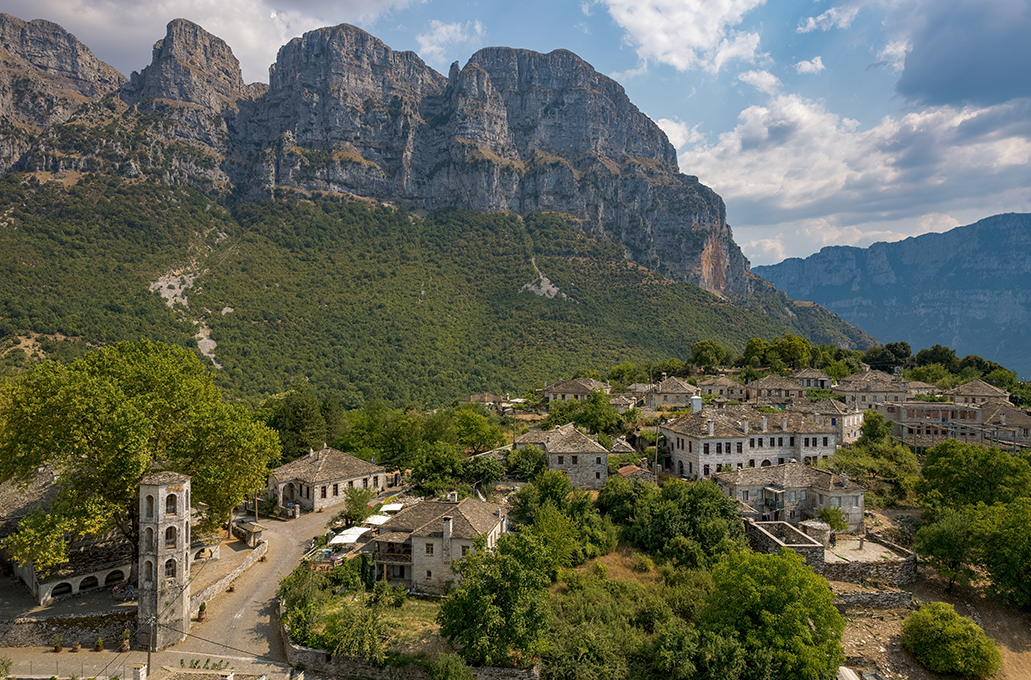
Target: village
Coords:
[(760, 442)]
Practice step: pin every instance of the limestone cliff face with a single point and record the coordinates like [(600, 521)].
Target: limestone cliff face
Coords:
[(512, 130), (969, 288)]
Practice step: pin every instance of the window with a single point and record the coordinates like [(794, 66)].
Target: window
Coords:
[(803, 494), (350, 484), (150, 506), (825, 441), (465, 551), (751, 462), (597, 475), (689, 445), (170, 569), (760, 442), (705, 447), (574, 459), (792, 514), (150, 539), (834, 421), (835, 501), (751, 443), (719, 447), (365, 483), (375, 480), (780, 441), (690, 469), (170, 504), (791, 442), (597, 460), (170, 537), (744, 495), (705, 471), (323, 492), (336, 489), (429, 550), (561, 459), (806, 444), (429, 574), (792, 497), (821, 499), (149, 571), (740, 446)]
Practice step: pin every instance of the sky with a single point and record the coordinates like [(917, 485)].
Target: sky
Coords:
[(819, 122)]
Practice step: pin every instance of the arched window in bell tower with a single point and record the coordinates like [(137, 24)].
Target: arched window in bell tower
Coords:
[(149, 571), (170, 537), (170, 569), (170, 504), (150, 539), (150, 507)]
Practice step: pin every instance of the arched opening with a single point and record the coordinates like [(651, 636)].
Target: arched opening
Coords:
[(61, 589), (290, 490), (170, 504), (200, 554), (170, 537), (148, 571), (114, 578), (766, 463), (150, 507), (680, 467), (88, 582), (170, 569), (150, 539)]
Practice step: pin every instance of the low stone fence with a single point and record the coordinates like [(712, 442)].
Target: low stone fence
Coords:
[(72, 628), (223, 583), (897, 572), (877, 599), (320, 661)]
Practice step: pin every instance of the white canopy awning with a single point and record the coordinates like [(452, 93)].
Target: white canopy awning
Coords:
[(376, 520), (392, 507)]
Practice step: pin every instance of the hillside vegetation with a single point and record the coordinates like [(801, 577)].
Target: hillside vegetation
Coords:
[(361, 298)]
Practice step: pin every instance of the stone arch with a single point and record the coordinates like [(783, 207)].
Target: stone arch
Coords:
[(170, 537), (88, 582), (148, 571), (171, 504), (170, 568), (200, 554), (680, 467), (114, 578), (150, 539), (766, 463), (62, 588), (150, 507)]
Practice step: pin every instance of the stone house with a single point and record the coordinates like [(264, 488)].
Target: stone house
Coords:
[(995, 422), (793, 492), (577, 389), (571, 452), (722, 386), (846, 419), (638, 390), (774, 389), (699, 444), (673, 393), (868, 388), (416, 546), (623, 402), (918, 387), (811, 377), (318, 480), (976, 392)]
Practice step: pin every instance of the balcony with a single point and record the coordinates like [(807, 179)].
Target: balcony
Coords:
[(394, 558), (774, 504)]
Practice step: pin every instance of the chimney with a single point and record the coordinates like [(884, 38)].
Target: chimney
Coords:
[(746, 426), (139, 671), (710, 426), (696, 404), (452, 497), (447, 538), (764, 423), (784, 423), (1002, 418)]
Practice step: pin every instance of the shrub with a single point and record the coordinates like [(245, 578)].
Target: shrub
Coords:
[(642, 562), (834, 517), (945, 642), (449, 667)]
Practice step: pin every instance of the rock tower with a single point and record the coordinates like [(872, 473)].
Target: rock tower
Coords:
[(163, 615)]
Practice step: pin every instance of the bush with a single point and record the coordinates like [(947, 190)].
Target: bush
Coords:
[(642, 562), (945, 642), (449, 667)]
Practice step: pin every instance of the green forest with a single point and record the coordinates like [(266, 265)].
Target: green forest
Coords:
[(363, 299)]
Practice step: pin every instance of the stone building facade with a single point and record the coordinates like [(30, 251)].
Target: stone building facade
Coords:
[(866, 389), (846, 419), (572, 453), (163, 613), (699, 444), (318, 480)]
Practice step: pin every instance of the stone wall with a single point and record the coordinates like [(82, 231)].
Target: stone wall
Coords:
[(897, 572), (590, 471), (770, 537), (322, 662), (83, 628), (223, 583), (873, 599)]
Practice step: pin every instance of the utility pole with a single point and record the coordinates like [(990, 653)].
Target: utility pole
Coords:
[(153, 640)]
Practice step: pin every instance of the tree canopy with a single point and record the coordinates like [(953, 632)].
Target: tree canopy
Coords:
[(109, 418)]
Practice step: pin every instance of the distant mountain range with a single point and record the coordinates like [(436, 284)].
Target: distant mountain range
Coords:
[(968, 288), (311, 223)]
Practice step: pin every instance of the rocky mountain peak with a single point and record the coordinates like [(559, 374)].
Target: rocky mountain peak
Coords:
[(189, 65)]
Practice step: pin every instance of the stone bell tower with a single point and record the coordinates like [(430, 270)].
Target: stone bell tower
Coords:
[(163, 614)]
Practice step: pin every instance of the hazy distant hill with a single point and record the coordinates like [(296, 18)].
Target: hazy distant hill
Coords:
[(969, 288)]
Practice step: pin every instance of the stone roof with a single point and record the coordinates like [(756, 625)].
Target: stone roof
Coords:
[(469, 518), (774, 382), (729, 422), (576, 386), (675, 386), (919, 385), (977, 388), (810, 374), (992, 413), (165, 477), (621, 445), (640, 388), (623, 400), (829, 407), (326, 465), (790, 475), (719, 381), (567, 439), (869, 375)]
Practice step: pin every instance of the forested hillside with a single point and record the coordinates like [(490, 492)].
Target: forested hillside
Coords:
[(364, 299)]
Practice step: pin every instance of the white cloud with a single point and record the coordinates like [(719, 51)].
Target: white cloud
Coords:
[(679, 132), (894, 54), (793, 167), (835, 17), (439, 41), (814, 65), (764, 81), (687, 35)]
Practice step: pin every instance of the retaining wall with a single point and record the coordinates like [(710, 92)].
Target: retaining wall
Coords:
[(880, 599), (897, 572), (84, 628), (770, 537), (322, 662), (223, 583)]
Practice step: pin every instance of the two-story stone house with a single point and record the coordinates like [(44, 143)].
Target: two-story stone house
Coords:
[(793, 492), (811, 377), (722, 386), (672, 393), (845, 418), (699, 444), (868, 388), (318, 480), (976, 392), (774, 389), (416, 546), (577, 389), (571, 452)]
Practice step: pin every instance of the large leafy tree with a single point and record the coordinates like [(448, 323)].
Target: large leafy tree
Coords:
[(781, 613), (950, 545), (106, 420), (958, 474), (499, 611), (945, 642), (1005, 549), (300, 422)]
